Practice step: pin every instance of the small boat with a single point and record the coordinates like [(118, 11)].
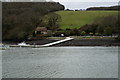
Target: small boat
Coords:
[(3, 47), (23, 44)]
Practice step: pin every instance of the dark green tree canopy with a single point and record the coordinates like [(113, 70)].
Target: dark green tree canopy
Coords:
[(21, 18)]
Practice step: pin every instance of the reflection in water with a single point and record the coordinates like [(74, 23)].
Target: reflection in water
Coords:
[(61, 62)]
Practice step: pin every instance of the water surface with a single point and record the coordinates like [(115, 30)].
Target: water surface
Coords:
[(60, 62)]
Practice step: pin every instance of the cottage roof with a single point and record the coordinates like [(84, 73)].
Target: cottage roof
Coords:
[(41, 29)]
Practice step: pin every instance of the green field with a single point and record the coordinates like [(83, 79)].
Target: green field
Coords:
[(76, 19)]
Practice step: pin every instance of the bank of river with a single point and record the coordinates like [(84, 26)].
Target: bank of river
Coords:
[(60, 62), (75, 42), (79, 42)]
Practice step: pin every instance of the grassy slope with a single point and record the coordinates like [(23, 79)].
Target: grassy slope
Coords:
[(76, 19)]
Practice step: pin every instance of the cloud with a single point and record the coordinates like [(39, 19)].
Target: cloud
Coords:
[(87, 0)]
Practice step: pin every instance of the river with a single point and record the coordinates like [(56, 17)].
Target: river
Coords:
[(60, 62)]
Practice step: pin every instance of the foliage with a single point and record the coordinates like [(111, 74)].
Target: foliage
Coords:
[(51, 21), (115, 8), (108, 31), (83, 33), (89, 28), (119, 37), (104, 26), (21, 19), (97, 34), (91, 33)]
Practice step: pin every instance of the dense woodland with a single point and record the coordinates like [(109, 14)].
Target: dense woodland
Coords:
[(103, 26), (20, 19), (107, 25)]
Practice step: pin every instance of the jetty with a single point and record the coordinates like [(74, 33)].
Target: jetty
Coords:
[(23, 44), (57, 42)]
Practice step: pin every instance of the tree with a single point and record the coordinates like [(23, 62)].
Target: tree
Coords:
[(51, 21), (20, 19), (83, 33), (111, 21), (108, 31)]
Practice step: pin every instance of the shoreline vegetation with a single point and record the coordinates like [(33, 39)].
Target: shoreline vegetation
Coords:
[(78, 41), (43, 23)]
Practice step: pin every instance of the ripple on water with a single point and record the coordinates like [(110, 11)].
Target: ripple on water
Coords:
[(61, 62)]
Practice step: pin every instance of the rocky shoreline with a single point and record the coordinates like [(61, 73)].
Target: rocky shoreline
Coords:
[(79, 42), (92, 42), (75, 42)]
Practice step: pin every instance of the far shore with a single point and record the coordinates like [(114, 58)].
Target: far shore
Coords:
[(76, 42)]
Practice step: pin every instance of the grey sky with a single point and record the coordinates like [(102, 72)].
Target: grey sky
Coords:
[(83, 4), (79, 4), (87, 0)]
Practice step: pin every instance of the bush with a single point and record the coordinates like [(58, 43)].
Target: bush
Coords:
[(97, 34), (108, 31), (119, 37), (83, 33), (91, 34)]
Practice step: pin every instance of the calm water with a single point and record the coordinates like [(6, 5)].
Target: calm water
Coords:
[(60, 62)]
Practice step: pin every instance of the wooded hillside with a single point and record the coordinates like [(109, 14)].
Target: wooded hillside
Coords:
[(113, 8), (20, 19)]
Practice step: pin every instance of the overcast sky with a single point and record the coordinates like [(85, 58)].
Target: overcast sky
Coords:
[(83, 4), (87, 0), (80, 4)]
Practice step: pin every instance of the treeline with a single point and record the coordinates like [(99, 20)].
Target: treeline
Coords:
[(114, 8), (20, 19)]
